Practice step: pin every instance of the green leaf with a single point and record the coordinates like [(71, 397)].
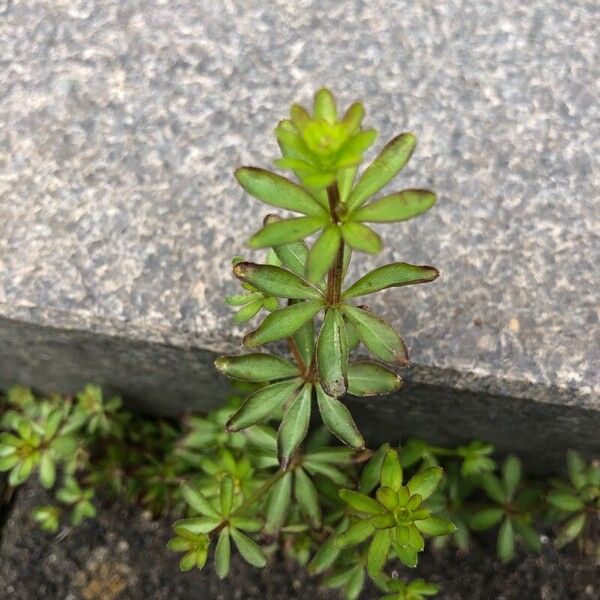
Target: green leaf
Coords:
[(286, 231), (355, 534), (47, 470), (292, 256), (195, 525), (383, 169), (486, 518), (425, 482), (251, 524), (511, 475), (377, 554), (323, 253), (256, 367), (355, 583), (395, 207), (223, 554), (327, 552), (435, 526), (324, 107), (332, 354), (262, 404), (492, 487), (564, 501), (369, 478), (360, 502), (407, 554), (250, 550), (283, 323), (277, 191), (571, 529), (338, 420), (307, 497), (377, 335), (393, 275), (21, 472), (294, 426), (226, 495), (248, 311), (345, 179), (197, 501), (391, 470), (371, 379), (506, 541), (577, 469), (529, 535), (276, 281), (278, 504), (362, 238)]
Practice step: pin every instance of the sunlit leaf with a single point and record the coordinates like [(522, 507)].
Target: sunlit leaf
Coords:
[(395, 207), (256, 367), (338, 419), (362, 238), (371, 379), (286, 231), (332, 354)]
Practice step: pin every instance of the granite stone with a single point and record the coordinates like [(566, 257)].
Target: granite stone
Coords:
[(121, 123)]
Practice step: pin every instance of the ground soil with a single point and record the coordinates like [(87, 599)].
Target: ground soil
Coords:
[(122, 555)]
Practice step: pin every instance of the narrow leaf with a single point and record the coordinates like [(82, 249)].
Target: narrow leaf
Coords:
[(486, 518), (338, 419), (307, 497), (278, 504), (226, 495), (355, 534), (506, 541), (371, 379), (283, 323), (305, 341), (256, 367), (369, 478), (197, 501), (324, 106), (564, 501), (425, 482), (332, 354), (327, 552), (383, 169), (377, 335), (396, 207), (276, 281), (323, 253), (377, 554), (393, 275), (286, 231), (360, 502), (294, 426), (223, 554), (362, 238), (511, 475), (250, 550), (435, 526), (263, 403), (391, 470), (277, 191)]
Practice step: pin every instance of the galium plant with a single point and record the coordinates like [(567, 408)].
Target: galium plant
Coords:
[(239, 482)]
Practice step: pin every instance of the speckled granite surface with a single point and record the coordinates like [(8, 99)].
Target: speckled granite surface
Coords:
[(121, 121)]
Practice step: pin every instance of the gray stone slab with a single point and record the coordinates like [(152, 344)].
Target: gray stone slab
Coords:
[(121, 122)]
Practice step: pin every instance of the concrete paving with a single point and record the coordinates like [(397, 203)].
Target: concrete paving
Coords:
[(121, 123)]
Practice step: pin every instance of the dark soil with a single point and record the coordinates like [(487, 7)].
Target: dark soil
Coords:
[(122, 555)]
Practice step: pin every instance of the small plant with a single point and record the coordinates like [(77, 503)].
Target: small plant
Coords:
[(316, 511), (238, 483)]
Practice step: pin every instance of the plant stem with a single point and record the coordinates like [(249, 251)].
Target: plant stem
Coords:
[(296, 354), (336, 272)]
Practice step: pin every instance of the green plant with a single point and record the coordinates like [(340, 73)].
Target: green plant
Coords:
[(196, 470), (302, 289), (237, 482)]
